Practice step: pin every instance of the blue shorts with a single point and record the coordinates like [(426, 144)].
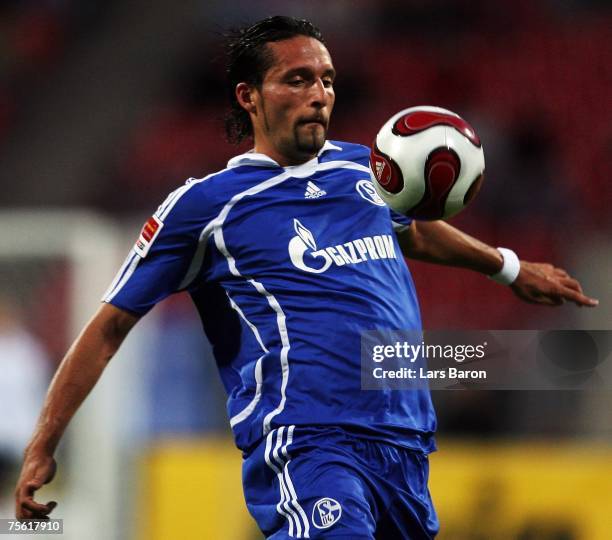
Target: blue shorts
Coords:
[(326, 483)]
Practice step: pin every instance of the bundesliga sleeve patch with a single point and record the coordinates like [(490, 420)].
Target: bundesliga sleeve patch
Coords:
[(148, 234)]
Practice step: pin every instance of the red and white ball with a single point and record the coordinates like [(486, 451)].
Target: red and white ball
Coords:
[(427, 163)]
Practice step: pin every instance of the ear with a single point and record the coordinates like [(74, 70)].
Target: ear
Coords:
[(246, 95)]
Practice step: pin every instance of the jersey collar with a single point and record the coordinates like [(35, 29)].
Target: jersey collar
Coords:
[(261, 160)]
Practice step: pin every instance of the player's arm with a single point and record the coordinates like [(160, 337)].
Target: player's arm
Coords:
[(440, 243), (76, 376)]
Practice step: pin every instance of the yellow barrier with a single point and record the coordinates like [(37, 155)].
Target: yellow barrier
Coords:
[(192, 489), (527, 490)]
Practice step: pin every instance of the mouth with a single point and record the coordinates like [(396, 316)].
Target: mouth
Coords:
[(314, 122)]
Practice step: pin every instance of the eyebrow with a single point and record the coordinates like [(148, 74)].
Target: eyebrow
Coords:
[(330, 72)]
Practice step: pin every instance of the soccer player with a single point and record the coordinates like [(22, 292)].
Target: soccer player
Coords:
[(289, 255)]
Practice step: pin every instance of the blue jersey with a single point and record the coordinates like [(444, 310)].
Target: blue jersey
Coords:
[(287, 266)]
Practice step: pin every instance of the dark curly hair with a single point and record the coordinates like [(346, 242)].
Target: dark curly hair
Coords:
[(248, 59)]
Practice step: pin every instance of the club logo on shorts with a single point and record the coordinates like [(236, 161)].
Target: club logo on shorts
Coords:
[(366, 189), (325, 513)]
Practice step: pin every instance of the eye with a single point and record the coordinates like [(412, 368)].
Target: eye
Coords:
[(296, 82), (328, 83)]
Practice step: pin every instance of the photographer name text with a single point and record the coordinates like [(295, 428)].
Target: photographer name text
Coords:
[(421, 373)]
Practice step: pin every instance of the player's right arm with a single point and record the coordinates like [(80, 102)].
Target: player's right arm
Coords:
[(162, 262), (76, 376)]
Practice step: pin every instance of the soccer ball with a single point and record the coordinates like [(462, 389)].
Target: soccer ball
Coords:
[(427, 163)]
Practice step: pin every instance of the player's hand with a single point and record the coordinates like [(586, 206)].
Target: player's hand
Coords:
[(541, 283), (38, 469)]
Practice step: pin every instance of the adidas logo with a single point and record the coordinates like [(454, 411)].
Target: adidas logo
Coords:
[(379, 169), (313, 191)]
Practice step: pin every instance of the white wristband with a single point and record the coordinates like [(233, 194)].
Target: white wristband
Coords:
[(511, 268)]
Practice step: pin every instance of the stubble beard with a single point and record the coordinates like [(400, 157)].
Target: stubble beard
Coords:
[(309, 140), (304, 143)]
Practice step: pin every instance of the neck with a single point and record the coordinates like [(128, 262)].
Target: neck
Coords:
[(284, 159)]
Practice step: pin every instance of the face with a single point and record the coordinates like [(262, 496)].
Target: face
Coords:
[(291, 110)]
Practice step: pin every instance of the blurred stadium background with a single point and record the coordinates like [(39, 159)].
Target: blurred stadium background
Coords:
[(105, 107)]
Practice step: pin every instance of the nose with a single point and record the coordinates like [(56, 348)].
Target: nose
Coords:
[(319, 95)]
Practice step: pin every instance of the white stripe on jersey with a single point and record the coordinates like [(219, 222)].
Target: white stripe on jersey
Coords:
[(198, 258), (399, 227), (342, 165), (162, 212), (175, 198), (134, 260), (246, 412), (281, 321), (165, 207), (249, 323), (215, 227), (119, 274), (171, 197)]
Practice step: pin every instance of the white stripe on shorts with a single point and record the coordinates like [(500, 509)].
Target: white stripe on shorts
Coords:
[(278, 462)]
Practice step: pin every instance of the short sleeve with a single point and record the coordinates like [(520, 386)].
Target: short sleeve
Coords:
[(400, 222), (159, 262)]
